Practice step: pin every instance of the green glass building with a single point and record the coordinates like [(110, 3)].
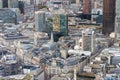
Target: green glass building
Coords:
[(64, 24), (60, 24)]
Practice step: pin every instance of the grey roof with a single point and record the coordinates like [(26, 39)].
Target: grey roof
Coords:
[(14, 36)]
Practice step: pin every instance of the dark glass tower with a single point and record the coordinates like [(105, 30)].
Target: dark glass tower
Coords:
[(108, 16), (5, 3)]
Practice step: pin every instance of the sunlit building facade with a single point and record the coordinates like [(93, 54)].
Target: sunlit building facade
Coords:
[(60, 23)]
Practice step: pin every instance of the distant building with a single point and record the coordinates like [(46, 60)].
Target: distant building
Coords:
[(28, 10), (10, 65), (18, 14), (8, 16), (1, 4), (86, 6), (40, 23), (117, 27), (108, 16), (88, 41), (97, 4), (8, 3), (97, 15), (5, 3), (60, 23), (117, 19), (12, 3), (66, 4), (117, 7)]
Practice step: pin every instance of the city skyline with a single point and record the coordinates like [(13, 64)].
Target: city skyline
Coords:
[(59, 40)]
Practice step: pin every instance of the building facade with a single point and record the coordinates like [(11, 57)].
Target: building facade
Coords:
[(8, 3), (5, 3), (60, 23), (8, 16), (40, 23), (108, 16), (1, 4), (86, 6), (12, 3), (117, 19)]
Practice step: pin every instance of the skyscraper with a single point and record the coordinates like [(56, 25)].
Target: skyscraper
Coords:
[(1, 4), (117, 7), (12, 3), (40, 23), (5, 3), (60, 23), (108, 16), (86, 6), (88, 40), (117, 19)]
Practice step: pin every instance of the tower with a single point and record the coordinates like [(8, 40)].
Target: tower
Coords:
[(5, 3), (40, 23), (60, 23), (108, 16), (12, 3), (117, 20), (1, 4), (86, 41), (86, 6)]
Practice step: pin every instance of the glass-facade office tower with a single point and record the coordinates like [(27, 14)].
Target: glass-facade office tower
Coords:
[(12, 3), (117, 7), (8, 3), (87, 6), (40, 23), (5, 3), (108, 16), (60, 23), (117, 19), (1, 4)]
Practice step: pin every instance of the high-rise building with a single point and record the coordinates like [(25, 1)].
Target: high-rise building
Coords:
[(40, 23), (117, 19), (88, 40), (117, 27), (117, 7), (5, 3), (86, 44), (60, 23), (8, 3), (108, 16), (1, 4), (12, 3), (86, 6), (8, 15)]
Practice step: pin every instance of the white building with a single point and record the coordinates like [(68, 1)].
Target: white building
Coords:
[(88, 40)]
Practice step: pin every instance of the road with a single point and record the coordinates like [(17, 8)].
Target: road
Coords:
[(96, 53)]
